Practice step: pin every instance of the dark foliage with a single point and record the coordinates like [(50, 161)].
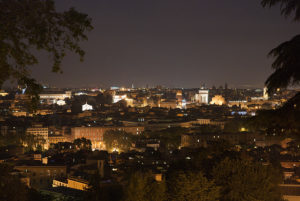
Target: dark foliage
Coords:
[(287, 7), (29, 25), (286, 65)]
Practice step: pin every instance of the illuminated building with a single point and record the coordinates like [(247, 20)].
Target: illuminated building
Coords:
[(129, 102), (60, 102), (201, 97), (265, 95), (54, 139), (41, 134), (43, 112), (18, 113), (171, 103), (86, 107), (238, 103), (3, 93), (117, 98), (179, 99), (80, 93), (55, 95), (114, 88), (72, 182), (183, 106), (217, 100), (95, 134), (203, 121)]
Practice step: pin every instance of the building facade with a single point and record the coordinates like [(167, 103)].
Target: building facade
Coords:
[(41, 135), (192, 140), (42, 176), (95, 134), (201, 97)]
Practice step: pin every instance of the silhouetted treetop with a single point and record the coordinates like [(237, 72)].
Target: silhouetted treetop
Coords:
[(286, 65), (286, 55), (287, 7), (29, 25)]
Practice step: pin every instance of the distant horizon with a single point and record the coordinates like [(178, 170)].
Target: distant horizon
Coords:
[(173, 43), (9, 87)]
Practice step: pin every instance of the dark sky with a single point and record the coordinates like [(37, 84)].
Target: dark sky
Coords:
[(175, 43)]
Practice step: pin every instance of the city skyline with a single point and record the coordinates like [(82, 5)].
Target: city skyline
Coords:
[(173, 44), (130, 100)]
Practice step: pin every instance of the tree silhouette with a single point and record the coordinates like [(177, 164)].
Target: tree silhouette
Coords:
[(118, 139), (287, 60), (192, 186), (286, 65), (29, 25), (142, 187), (242, 180), (287, 7), (83, 143)]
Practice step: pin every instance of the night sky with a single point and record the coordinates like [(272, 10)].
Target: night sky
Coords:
[(174, 43)]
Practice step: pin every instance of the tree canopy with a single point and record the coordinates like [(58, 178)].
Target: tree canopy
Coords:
[(287, 7), (192, 186), (286, 65), (83, 143), (19, 190), (244, 180), (170, 137), (116, 140), (12, 188), (29, 25), (286, 56), (143, 187)]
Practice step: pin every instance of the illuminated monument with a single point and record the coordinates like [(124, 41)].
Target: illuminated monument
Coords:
[(117, 98), (86, 107), (217, 100), (265, 95), (202, 96)]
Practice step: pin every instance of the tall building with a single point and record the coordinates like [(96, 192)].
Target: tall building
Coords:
[(265, 95)]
